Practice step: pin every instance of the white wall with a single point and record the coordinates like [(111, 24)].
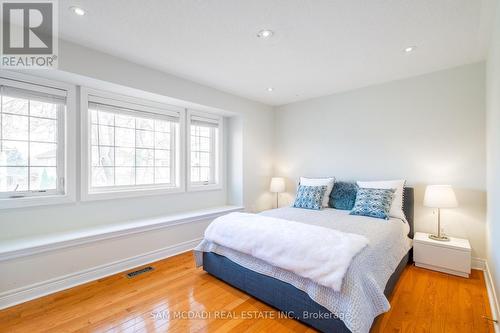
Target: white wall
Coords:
[(252, 132), (426, 129), (493, 153)]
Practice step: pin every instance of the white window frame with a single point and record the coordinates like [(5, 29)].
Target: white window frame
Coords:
[(87, 192), (66, 192), (220, 160)]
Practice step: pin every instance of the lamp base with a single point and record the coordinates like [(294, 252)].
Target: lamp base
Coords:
[(439, 238)]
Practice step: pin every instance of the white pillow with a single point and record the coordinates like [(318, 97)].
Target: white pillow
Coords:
[(397, 202), (328, 182)]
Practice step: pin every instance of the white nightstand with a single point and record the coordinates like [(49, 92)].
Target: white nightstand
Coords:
[(453, 257)]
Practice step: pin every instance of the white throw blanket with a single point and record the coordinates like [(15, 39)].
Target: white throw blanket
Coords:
[(320, 254)]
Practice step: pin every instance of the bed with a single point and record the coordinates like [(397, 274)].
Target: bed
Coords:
[(367, 284)]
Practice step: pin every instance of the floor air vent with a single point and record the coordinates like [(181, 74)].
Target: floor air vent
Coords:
[(139, 271)]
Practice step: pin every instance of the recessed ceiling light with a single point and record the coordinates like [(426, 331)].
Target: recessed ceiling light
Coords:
[(265, 34), (270, 89), (410, 49), (77, 10)]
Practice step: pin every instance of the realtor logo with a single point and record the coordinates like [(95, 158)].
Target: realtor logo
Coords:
[(29, 34)]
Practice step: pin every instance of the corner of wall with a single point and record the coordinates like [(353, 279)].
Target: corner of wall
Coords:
[(493, 162)]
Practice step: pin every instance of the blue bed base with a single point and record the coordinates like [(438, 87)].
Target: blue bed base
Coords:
[(281, 295)]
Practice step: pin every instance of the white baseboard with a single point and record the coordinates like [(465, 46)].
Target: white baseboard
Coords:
[(478, 263), (492, 296), (21, 295), (482, 264)]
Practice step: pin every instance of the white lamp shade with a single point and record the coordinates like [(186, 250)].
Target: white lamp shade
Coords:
[(440, 196), (277, 185)]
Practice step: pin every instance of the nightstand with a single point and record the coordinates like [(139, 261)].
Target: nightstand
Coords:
[(453, 257)]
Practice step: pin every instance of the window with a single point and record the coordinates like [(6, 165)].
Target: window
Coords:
[(204, 150), (131, 147), (32, 140)]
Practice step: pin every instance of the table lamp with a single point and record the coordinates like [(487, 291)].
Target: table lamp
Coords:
[(439, 196), (277, 186)]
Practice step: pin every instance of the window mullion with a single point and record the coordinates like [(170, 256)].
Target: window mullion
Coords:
[(29, 145), (212, 155), (172, 153), (98, 138), (1, 119), (114, 150), (60, 150), (154, 152), (135, 151)]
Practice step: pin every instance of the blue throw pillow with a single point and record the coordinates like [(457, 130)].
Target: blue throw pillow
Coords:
[(343, 195), (373, 202), (309, 197)]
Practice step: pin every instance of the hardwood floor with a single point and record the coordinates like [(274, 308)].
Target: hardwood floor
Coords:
[(423, 301), (428, 301)]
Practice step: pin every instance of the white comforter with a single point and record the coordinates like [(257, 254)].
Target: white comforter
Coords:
[(317, 253)]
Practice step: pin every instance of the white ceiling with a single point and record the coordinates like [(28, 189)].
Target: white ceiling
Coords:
[(320, 46)]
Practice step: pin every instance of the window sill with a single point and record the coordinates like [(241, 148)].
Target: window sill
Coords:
[(55, 199), (109, 195), (210, 187), (10, 249)]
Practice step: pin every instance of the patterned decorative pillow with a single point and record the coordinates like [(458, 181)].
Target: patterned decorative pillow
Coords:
[(309, 197), (373, 202), (343, 195)]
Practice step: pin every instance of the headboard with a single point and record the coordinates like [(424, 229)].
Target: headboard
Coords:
[(408, 207)]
